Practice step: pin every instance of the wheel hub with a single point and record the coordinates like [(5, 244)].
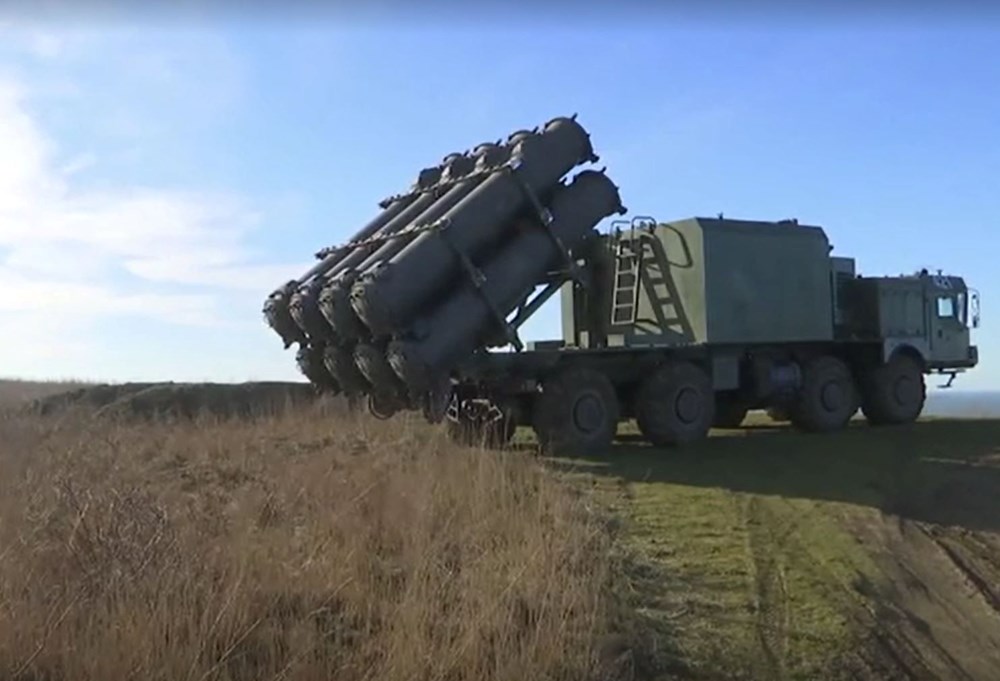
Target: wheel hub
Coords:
[(688, 405), (904, 391), (382, 407), (832, 396), (588, 413)]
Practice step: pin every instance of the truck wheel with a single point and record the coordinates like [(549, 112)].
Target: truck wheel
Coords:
[(576, 413), (894, 392), (729, 412), (675, 405), (828, 397)]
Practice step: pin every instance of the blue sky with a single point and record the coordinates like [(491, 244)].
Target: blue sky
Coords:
[(159, 181)]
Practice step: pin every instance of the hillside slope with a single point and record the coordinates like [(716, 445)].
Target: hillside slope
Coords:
[(14, 393)]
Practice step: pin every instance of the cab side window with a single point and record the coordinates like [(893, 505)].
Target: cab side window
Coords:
[(945, 307)]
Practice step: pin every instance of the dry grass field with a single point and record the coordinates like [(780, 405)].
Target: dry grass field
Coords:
[(303, 545), (314, 543)]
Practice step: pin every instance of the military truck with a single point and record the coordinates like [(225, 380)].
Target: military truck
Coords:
[(681, 326)]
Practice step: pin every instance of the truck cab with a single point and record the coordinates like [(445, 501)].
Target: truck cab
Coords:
[(951, 310), (928, 316)]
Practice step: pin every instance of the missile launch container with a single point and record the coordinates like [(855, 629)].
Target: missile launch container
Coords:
[(681, 326)]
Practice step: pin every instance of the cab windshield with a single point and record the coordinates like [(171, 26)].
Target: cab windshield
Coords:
[(953, 306)]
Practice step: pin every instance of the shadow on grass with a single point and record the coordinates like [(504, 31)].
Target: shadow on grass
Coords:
[(942, 471)]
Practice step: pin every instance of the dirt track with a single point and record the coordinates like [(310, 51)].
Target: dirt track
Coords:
[(937, 597), (870, 554)]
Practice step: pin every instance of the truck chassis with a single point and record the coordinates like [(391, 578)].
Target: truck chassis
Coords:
[(574, 399)]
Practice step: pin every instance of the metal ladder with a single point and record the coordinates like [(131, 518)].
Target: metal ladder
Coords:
[(625, 304)]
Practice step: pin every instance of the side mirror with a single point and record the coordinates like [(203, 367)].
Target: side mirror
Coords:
[(974, 304)]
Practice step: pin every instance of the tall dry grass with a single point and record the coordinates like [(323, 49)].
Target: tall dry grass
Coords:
[(305, 546)]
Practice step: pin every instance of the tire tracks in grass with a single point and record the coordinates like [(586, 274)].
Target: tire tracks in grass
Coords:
[(971, 567), (750, 597), (802, 566), (765, 548)]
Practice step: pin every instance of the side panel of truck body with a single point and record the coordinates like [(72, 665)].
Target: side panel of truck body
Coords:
[(708, 281), (767, 282), (880, 307)]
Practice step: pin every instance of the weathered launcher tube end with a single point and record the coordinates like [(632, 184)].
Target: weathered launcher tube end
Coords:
[(309, 359), (298, 324), (390, 296), (278, 317), (304, 302), (344, 274), (456, 327), (339, 362), (304, 309), (373, 364), (319, 358)]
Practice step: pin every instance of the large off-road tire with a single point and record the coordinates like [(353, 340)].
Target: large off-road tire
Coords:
[(576, 414), (730, 411), (675, 405), (894, 392), (828, 397)]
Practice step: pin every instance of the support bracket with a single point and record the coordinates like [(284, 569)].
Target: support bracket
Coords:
[(544, 217), (477, 279)]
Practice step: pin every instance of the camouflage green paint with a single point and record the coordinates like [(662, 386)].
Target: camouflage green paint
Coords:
[(704, 281), (948, 319), (766, 282), (569, 307), (724, 281), (882, 307), (927, 312)]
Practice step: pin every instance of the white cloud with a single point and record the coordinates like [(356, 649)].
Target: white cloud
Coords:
[(42, 216), (38, 40), (72, 258), (45, 45), (80, 300), (78, 164)]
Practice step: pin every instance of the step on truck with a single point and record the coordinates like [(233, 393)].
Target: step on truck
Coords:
[(682, 326)]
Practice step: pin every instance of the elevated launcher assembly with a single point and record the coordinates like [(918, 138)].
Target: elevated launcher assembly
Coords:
[(683, 325)]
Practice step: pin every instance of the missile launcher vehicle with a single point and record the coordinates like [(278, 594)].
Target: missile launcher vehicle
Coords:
[(681, 326)]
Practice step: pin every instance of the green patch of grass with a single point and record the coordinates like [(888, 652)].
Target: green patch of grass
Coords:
[(752, 569)]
